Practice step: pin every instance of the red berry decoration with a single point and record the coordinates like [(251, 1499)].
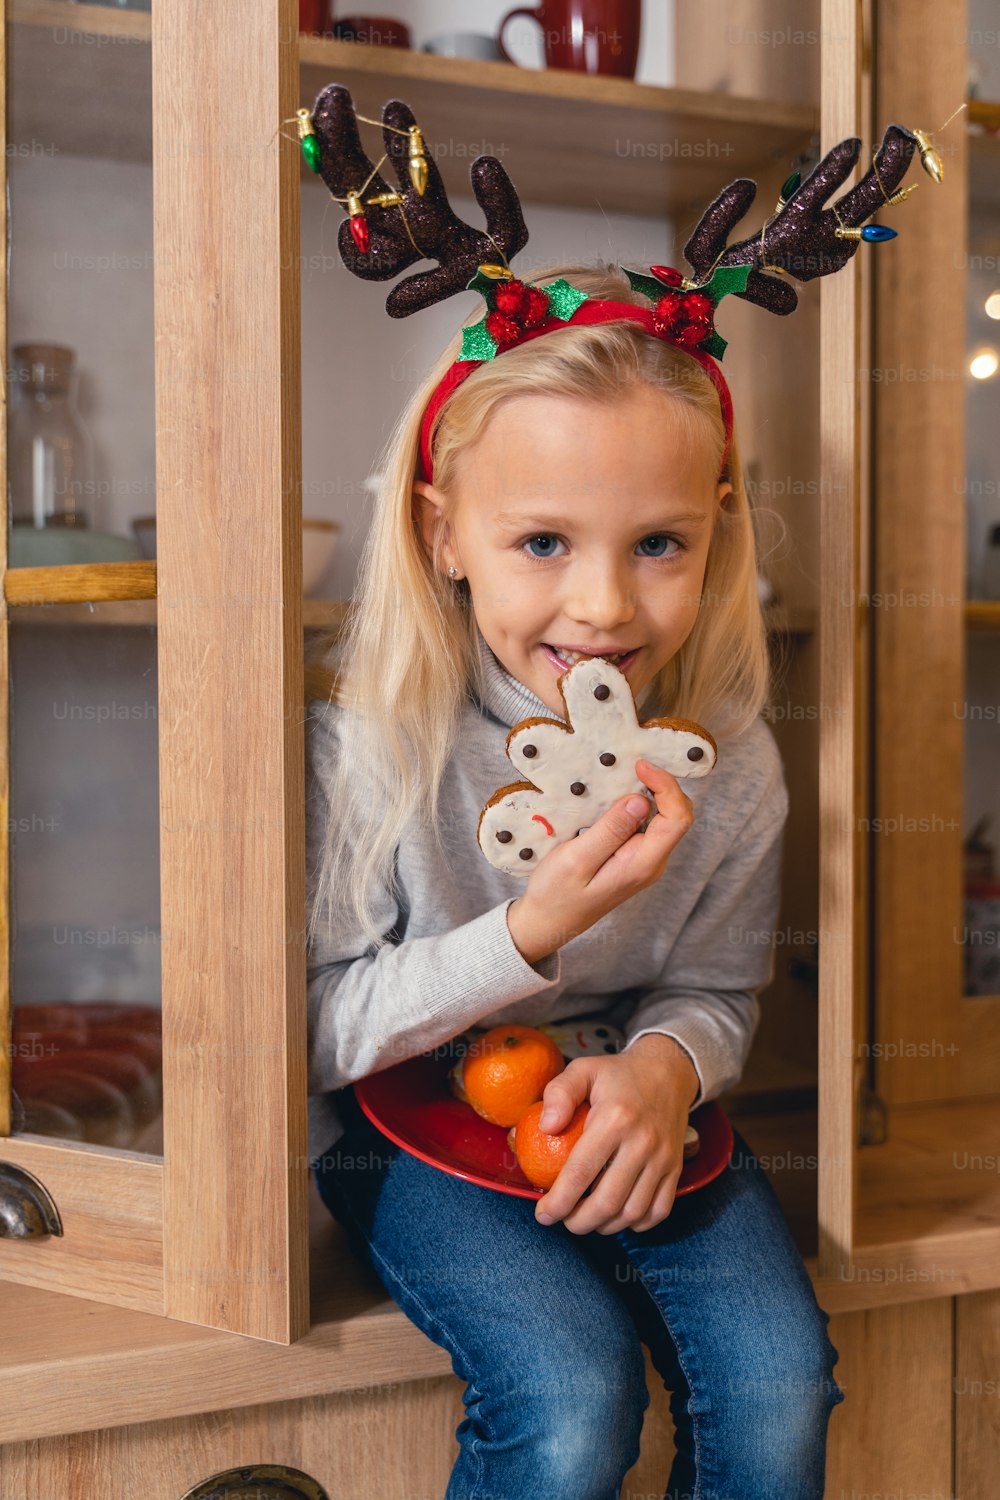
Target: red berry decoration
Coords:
[(504, 330), (538, 308), (699, 307), (684, 317), (692, 335), (511, 299), (667, 313), (521, 305)]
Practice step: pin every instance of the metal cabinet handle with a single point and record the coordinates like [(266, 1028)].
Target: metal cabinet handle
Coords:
[(258, 1482), (27, 1209)]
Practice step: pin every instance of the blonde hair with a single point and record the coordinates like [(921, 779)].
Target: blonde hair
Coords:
[(408, 646)]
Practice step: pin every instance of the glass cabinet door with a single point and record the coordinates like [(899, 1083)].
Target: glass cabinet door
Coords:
[(152, 1092), (83, 832)]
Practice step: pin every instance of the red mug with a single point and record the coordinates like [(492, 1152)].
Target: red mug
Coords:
[(589, 36)]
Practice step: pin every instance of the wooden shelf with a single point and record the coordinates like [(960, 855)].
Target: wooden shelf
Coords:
[(928, 1211), (983, 614), (566, 138), (929, 1199), (317, 614), (125, 594), (33, 592), (112, 594)]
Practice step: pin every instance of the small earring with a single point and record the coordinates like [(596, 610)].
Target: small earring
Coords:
[(452, 571)]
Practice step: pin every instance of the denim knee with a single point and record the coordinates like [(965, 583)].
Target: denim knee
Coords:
[(577, 1432), (781, 1409)]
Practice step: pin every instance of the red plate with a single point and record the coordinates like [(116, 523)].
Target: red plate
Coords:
[(413, 1105)]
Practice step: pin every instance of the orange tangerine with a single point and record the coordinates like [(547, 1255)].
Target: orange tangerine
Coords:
[(541, 1155), (505, 1070)]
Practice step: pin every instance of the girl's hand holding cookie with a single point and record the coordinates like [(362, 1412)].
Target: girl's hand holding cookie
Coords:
[(632, 1142), (582, 880)]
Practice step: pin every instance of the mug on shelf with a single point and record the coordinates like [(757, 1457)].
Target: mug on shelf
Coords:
[(587, 36), (465, 44), (377, 31)]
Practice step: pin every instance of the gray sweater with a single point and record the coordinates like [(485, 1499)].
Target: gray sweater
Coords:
[(685, 957)]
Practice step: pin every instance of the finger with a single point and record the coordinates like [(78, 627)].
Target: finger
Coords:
[(638, 1203), (663, 1202), (609, 1194), (640, 860), (673, 816), (590, 1154), (562, 1096), (663, 784), (597, 843)]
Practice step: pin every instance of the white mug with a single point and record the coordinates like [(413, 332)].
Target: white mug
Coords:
[(464, 44)]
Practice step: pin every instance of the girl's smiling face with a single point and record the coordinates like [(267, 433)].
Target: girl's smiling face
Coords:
[(581, 527)]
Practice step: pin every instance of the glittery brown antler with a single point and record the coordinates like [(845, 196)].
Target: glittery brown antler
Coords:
[(801, 238), (435, 233)]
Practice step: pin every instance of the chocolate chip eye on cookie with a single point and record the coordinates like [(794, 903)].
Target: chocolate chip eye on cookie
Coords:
[(578, 769)]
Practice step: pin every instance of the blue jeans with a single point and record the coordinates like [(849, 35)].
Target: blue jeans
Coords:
[(546, 1327)]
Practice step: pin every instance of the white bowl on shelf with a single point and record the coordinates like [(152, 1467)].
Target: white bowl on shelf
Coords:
[(319, 541)]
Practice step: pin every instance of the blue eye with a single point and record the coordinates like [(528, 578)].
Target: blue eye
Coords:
[(543, 537), (659, 536)]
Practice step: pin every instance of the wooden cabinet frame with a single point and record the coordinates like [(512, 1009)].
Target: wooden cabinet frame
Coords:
[(216, 1234)]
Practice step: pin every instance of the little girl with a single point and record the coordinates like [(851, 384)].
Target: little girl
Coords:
[(575, 508)]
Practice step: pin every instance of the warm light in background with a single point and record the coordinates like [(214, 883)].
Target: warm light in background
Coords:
[(992, 305), (984, 364)]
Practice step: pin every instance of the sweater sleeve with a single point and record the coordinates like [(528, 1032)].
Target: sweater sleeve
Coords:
[(706, 998), (368, 1012)]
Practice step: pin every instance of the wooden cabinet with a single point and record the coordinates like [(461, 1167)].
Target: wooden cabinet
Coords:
[(202, 1235)]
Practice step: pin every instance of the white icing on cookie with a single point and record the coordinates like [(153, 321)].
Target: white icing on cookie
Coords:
[(568, 786)]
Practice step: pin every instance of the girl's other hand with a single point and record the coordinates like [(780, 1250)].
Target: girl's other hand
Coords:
[(632, 1143), (584, 878)]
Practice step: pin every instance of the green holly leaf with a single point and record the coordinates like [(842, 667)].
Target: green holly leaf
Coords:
[(487, 285), (726, 279), (477, 342), (715, 345), (563, 299), (649, 286)]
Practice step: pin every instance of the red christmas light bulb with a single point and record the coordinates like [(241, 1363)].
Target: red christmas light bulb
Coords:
[(358, 222)]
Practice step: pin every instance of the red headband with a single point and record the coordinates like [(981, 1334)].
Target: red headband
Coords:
[(591, 311)]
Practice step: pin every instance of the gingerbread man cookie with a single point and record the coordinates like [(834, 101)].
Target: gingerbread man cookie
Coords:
[(578, 769)]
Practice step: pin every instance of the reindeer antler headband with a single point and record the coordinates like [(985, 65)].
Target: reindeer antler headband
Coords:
[(391, 229)]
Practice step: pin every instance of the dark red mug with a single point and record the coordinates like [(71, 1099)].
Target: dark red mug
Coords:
[(588, 36)]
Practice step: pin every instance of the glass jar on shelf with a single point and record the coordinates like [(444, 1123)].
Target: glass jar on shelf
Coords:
[(50, 454)]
